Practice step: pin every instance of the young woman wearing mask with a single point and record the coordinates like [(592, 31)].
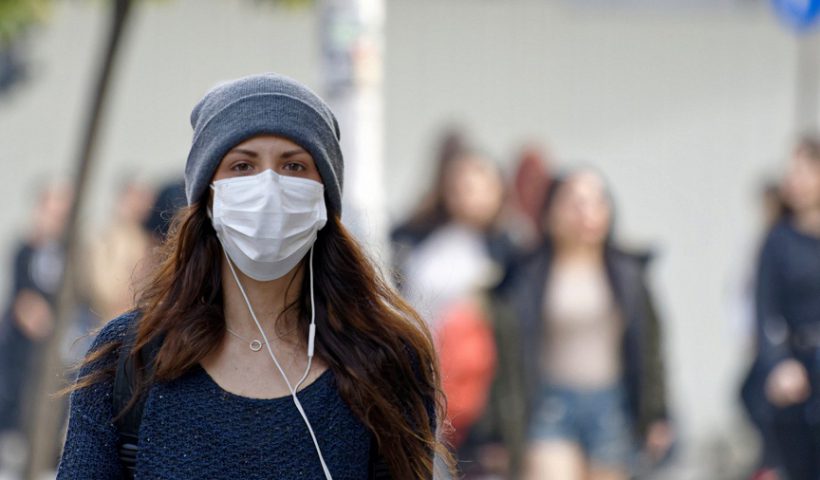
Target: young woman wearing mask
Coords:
[(282, 352)]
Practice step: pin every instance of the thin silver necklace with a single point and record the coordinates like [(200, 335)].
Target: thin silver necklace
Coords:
[(255, 345)]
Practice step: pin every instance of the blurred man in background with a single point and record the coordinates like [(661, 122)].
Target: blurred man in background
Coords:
[(29, 316), (116, 255), (529, 186)]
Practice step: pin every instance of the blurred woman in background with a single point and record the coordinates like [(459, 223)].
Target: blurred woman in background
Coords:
[(28, 319), (788, 316), (464, 250), (743, 320), (590, 343), (116, 265), (451, 251)]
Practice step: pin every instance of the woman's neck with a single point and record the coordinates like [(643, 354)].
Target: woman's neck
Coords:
[(808, 221), (268, 300)]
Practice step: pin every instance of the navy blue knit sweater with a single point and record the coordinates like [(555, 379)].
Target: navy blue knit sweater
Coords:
[(192, 428)]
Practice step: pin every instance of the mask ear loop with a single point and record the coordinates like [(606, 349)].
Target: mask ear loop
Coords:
[(311, 335)]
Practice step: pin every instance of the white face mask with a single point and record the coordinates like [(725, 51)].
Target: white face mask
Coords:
[(267, 222)]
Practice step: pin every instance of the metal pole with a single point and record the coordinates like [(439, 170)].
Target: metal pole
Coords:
[(46, 428), (352, 51), (807, 94)]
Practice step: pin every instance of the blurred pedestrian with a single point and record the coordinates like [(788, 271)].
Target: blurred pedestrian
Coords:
[(431, 211), (590, 343), (530, 183), (117, 256), (169, 200), (266, 344), (788, 316), (465, 249), (29, 317), (752, 391), (448, 271)]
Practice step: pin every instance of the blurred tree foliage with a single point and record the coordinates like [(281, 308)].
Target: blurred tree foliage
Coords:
[(16, 15)]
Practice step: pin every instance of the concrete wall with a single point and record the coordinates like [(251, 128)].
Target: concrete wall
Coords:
[(683, 110)]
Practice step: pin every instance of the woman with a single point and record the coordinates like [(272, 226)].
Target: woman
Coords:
[(752, 392), (589, 343), (28, 318), (788, 316), (465, 251), (283, 353), (430, 212)]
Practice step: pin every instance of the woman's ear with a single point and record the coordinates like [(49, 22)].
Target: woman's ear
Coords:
[(209, 197)]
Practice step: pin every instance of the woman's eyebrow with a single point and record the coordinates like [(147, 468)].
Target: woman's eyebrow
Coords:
[(293, 153), (250, 153)]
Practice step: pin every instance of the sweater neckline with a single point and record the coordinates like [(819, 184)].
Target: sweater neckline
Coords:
[(315, 384), (796, 231)]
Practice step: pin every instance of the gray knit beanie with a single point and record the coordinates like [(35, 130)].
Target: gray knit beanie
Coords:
[(235, 111)]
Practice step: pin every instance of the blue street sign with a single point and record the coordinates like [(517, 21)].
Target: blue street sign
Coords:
[(800, 15)]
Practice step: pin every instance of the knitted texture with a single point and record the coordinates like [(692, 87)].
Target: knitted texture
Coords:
[(192, 428), (235, 111)]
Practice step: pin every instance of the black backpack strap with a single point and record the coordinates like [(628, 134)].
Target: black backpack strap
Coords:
[(128, 424), (377, 469)]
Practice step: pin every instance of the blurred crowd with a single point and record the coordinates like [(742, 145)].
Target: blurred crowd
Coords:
[(550, 341), (114, 263)]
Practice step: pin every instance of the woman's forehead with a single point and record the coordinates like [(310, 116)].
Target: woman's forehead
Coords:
[(264, 142), (583, 183)]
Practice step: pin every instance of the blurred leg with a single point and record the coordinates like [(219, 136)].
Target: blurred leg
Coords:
[(559, 460), (606, 436), (795, 445)]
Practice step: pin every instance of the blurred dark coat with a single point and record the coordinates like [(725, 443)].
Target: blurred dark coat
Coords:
[(642, 364), (38, 270), (787, 299), (787, 304)]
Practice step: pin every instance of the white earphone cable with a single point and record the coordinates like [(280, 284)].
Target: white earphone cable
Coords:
[(311, 328), (311, 336)]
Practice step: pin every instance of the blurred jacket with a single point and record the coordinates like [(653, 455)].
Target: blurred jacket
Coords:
[(643, 377), (37, 271), (788, 299)]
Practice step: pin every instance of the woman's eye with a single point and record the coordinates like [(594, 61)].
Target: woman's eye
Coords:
[(294, 167), (242, 167)]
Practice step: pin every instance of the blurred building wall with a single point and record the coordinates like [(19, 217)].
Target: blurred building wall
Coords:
[(683, 110)]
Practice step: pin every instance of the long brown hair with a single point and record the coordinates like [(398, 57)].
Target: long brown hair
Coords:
[(378, 347)]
